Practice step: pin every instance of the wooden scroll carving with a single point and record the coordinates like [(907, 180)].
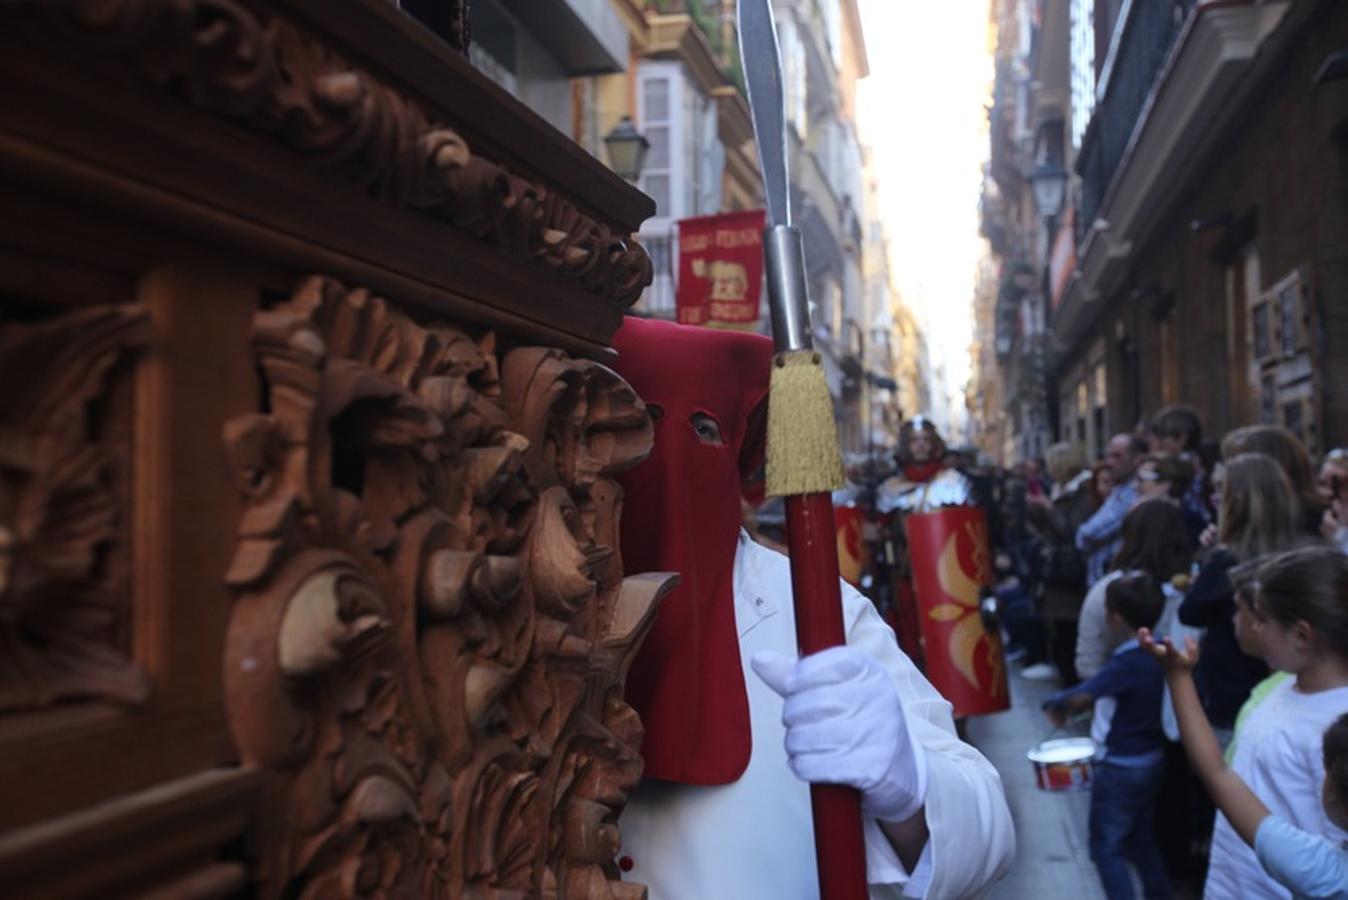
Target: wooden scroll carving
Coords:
[(432, 627), (64, 598), (258, 71)]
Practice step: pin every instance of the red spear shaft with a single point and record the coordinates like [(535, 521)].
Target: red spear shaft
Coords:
[(803, 462), (840, 848), (803, 465)]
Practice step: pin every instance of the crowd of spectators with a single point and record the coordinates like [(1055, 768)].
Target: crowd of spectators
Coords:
[(1178, 539)]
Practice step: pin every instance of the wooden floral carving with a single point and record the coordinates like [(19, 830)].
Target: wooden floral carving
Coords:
[(432, 627), (63, 598), (260, 72)]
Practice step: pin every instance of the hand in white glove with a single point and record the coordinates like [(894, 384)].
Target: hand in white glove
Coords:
[(845, 725)]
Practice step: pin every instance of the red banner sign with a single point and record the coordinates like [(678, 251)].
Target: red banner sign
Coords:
[(720, 268)]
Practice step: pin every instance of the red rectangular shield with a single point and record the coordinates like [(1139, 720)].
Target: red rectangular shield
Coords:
[(948, 551)]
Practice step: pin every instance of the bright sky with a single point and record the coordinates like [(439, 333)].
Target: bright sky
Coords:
[(922, 110)]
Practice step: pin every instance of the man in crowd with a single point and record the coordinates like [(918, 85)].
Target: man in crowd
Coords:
[(1099, 535), (730, 713), (1177, 430)]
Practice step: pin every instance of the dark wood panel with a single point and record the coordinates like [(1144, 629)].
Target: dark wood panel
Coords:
[(59, 760), (171, 832)]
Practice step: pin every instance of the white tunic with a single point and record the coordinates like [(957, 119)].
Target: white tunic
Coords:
[(754, 838)]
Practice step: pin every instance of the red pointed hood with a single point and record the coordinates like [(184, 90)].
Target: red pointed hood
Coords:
[(682, 513)]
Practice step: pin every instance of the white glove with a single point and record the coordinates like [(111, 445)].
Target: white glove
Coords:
[(845, 725)]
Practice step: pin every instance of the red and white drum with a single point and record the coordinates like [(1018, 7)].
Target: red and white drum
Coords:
[(1063, 764)]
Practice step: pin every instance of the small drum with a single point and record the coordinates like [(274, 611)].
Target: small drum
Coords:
[(1063, 764)]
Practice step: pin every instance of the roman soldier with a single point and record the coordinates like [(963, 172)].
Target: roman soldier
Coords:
[(923, 482), (941, 571)]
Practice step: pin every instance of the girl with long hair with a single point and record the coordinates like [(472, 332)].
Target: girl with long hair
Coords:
[(1259, 514), (1292, 457)]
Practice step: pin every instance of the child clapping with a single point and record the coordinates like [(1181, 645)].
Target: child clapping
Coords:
[(1286, 793)]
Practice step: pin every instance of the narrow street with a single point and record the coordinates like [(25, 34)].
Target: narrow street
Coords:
[(1052, 856)]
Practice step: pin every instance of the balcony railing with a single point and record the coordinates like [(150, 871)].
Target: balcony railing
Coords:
[(706, 14), (1143, 39)]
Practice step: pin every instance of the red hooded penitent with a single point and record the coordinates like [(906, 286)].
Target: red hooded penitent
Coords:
[(682, 514)]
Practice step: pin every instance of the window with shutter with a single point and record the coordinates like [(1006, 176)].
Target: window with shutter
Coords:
[(659, 101)]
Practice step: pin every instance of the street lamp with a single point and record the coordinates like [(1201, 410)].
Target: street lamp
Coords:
[(626, 148), (1049, 182)]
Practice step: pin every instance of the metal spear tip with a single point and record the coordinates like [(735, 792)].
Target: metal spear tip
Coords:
[(763, 79)]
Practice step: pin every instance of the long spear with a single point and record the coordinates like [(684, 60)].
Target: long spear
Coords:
[(803, 461)]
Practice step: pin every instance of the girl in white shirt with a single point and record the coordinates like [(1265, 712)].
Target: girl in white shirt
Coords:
[(1297, 619)]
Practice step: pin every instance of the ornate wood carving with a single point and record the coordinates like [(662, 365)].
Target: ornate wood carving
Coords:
[(258, 71), (432, 627), (63, 592)]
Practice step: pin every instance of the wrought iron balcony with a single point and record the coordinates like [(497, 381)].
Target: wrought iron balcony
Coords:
[(1141, 44)]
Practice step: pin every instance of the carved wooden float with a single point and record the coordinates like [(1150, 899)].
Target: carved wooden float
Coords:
[(309, 574)]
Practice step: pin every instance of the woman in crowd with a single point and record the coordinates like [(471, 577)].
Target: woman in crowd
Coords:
[(1333, 472), (1259, 515), (1333, 485), (1295, 461), (1062, 567), (1155, 542), (1206, 461)]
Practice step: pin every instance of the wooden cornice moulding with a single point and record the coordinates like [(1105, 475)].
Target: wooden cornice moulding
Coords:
[(342, 107), (261, 72)]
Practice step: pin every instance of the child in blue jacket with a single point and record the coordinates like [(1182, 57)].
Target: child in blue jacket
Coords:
[(1129, 762)]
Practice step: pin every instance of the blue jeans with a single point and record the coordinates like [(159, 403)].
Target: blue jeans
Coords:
[(1023, 625), (1123, 800)]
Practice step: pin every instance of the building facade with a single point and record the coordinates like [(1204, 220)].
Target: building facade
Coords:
[(1026, 128), (1212, 238), (672, 67), (1199, 253), (823, 57)]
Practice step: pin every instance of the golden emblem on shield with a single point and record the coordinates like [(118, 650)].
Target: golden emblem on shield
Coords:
[(968, 635)]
